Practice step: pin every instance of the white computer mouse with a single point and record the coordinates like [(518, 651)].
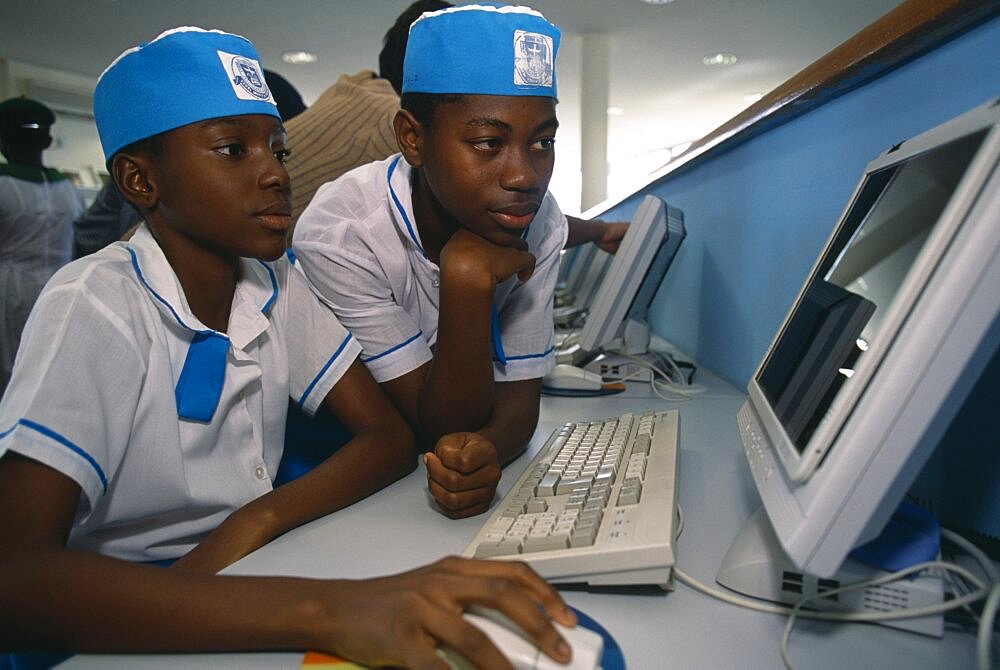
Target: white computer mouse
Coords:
[(522, 653), (564, 376)]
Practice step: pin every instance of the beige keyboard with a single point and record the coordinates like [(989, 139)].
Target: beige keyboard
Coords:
[(596, 505)]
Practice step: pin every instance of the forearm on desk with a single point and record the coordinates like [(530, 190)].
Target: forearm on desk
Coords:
[(458, 392), (515, 416)]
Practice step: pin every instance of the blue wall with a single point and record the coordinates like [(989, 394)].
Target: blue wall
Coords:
[(757, 215)]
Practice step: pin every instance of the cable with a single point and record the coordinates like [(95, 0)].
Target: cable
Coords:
[(985, 564), (681, 388), (985, 636), (946, 606), (991, 592), (984, 561)]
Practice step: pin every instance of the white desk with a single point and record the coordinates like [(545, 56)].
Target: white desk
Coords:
[(397, 529)]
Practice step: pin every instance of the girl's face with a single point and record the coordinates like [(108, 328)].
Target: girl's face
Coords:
[(221, 185), (487, 161)]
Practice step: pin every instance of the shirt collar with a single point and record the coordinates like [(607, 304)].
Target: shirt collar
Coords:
[(256, 290), (401, 200)]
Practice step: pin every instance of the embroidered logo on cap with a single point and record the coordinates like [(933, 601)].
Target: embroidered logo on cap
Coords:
[(533, 62), (245, 77)]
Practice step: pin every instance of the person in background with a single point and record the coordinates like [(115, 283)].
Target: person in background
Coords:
[(442, 260), (350, 125), (110, 216), (146, 419), (37, 209)]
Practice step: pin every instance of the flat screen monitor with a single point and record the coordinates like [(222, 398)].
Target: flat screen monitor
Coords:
[(617, 318), (585, 270), (893, 326)]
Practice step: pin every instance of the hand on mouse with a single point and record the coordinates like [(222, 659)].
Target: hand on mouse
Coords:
[(463, 472), (402, 619)]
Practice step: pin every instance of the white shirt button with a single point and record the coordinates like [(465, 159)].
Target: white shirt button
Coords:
[(436, 283), (260, 472)]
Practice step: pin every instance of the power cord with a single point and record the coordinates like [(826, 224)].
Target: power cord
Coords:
[(662, 382), (990, 591)]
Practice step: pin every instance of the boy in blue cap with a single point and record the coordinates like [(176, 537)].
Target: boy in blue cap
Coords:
[(144, 418), (442, 260)]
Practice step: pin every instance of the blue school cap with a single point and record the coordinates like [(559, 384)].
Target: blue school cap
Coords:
[(485, 49), (183, 75)]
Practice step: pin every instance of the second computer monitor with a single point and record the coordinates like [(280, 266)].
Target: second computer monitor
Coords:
[(617, 318)]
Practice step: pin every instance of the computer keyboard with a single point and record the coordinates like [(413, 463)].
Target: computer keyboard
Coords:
[(596, 505)]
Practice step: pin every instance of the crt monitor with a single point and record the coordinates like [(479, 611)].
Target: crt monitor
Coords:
[(617, 317), (892, 328)]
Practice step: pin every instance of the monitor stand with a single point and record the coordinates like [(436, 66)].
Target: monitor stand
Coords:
[(756, 566)]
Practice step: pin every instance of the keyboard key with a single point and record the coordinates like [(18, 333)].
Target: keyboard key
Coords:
[(568, 485), (547, 486), (537, 505)]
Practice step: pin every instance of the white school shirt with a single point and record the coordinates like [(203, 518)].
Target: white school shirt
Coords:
[(359, 247), (93, 394)]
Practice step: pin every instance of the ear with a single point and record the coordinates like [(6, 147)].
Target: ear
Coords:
[(132, 175), (409, 137)]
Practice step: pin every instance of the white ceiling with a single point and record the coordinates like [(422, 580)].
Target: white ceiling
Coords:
[(656, 72)]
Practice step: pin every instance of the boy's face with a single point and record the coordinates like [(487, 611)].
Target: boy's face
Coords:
[(221, 185), (488, 160)]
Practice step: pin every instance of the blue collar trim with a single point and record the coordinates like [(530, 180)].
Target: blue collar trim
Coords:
[(399, 206)]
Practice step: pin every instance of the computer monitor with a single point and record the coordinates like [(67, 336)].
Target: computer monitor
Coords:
[(895, 323), (617, 318), (586, 268)]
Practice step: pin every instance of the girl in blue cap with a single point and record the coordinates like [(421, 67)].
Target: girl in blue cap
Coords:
[(145, 415), (442, 260)]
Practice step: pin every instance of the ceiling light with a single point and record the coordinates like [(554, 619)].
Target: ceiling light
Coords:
[(723, 58), (616, 111), (298, 57)]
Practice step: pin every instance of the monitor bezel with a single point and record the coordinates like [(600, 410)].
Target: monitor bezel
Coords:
[(798, 466)]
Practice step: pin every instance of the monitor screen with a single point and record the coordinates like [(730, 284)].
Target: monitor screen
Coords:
[(888, 334), (842, 309)]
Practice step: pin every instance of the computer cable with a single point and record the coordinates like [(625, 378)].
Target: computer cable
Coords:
[(985, 637), (982, 590), (989, 570), (669, 384)]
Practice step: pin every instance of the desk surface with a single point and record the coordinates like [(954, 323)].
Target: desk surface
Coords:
[(397, 529)]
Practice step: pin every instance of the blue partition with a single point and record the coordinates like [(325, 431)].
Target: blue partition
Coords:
[(758, 214)]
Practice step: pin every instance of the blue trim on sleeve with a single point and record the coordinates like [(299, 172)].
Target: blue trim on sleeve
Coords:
[(498, 353), (340, 349), (526, 356), (389, 351), (51, 434), (399, 206)]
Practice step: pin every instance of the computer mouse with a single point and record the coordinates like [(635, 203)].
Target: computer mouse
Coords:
[(522, 653), (564, 376)]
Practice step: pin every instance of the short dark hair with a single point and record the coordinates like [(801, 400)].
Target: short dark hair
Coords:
[(423, 105), (286, 97), (150, 146), (390, 60)]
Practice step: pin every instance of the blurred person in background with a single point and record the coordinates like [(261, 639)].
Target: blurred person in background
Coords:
[(37, 209)]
